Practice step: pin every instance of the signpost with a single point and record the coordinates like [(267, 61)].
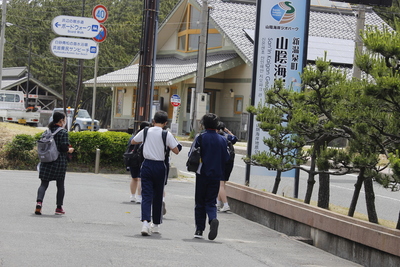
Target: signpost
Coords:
[(176, 102), (75, 26), (74, 48)]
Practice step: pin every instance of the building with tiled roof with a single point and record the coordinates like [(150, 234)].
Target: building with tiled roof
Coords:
[(332, 28)]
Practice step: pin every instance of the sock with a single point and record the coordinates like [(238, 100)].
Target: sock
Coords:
[(219, 203), (226, 204), (146, 223)]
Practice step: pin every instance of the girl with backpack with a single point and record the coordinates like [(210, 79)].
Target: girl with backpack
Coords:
[(55, 170)]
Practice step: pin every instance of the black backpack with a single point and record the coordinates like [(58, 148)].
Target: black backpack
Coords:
[(231, 151)]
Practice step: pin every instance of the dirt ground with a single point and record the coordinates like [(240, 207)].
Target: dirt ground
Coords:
[(9, 130)]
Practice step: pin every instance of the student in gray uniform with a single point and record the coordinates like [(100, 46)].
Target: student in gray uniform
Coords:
[(153, 172)]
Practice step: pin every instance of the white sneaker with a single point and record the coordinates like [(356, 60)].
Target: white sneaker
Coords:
[(155, 228), (225, 209), (146, 230), (138, 199), (133, 199)]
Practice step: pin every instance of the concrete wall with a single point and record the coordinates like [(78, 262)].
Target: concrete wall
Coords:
[(356, 240)]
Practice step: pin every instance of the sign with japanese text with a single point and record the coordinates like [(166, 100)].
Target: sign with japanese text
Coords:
[(74, 48), (75, 26), (279, 53)]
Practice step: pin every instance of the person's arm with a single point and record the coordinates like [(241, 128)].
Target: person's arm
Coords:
[(138, 138), (172, 142), (231, 137)]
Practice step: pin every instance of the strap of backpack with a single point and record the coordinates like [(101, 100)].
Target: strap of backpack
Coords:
[(56, 131), (145, 134), (164, 138)]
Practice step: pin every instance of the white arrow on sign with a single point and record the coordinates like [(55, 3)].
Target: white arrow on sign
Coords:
[(74, 48), (75, 26)]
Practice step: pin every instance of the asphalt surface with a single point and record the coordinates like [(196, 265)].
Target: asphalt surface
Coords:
[(102, 228)]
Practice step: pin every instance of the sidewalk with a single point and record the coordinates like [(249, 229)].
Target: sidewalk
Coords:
[(102, 228)]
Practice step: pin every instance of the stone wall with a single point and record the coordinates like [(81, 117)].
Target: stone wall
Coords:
[(352, 239)]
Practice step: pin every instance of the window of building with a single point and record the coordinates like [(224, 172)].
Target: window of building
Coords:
[(189, 32), (120, 101), (238, 104)]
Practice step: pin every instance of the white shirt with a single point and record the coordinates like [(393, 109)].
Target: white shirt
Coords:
[(154, 145)]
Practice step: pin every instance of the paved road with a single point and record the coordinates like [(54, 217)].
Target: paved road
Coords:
[(101, 228)]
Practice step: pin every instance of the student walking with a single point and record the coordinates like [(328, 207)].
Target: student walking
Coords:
[(135, 185), (214, 155), (153, 172), (222, 201), (55, 171)]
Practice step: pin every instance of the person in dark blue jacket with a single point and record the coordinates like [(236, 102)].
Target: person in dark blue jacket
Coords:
[(214, 155)]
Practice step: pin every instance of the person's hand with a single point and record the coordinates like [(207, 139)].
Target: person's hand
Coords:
[(70, 150)]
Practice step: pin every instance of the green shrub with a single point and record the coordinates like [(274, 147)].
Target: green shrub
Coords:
[(19, 152), (112, 146)]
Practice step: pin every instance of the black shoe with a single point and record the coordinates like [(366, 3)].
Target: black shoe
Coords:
[(213, 229), (198, 234)]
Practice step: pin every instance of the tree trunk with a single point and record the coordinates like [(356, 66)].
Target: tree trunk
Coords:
[(323, 192), (356, 194), (398, 222), (370, 200), (311, 180), (277, 181)]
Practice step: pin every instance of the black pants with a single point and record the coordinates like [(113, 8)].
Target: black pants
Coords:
[(60, 191)]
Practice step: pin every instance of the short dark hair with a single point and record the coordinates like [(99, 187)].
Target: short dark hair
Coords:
[(221, 126), (57, 116), (144, 124), (161, 116), (210, 121)]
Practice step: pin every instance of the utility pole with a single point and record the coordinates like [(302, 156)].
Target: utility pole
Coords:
[(201, 60), (358, 42), (79, 90), (147, 63), (2, 41)]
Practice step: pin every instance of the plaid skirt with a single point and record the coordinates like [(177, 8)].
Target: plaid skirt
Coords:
[(51, 171)]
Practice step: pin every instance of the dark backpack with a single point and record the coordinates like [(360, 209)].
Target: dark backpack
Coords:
[(194, 159), (133, 156), (231, 151), (47, 147)]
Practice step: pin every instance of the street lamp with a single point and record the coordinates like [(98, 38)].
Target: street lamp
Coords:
[(8, 24)]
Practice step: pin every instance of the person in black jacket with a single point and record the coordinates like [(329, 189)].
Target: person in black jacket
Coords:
[(214, 155), (55, 171)]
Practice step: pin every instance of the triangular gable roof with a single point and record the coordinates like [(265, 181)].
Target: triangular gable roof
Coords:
[(17, 75), (169, 70)]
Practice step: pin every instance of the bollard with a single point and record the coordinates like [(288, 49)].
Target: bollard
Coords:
[(97, 162)]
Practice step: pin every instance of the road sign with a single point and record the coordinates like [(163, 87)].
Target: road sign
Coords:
[(102, 35), (100, 13), (74, 48), (75, 26), (176, 100)]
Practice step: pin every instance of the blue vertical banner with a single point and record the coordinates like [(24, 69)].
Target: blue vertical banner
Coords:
[(280, 49)]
